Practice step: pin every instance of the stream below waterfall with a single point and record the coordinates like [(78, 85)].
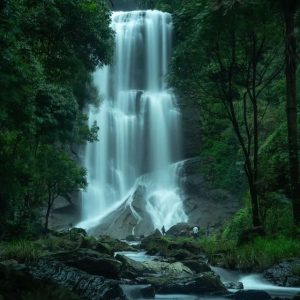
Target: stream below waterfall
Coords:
[(250, 282)]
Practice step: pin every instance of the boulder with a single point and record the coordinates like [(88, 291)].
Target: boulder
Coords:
[(285, 273), (180, 229), (172, 269), (197, 266), (155, 245), (203, 283), (130, 268), (251, 295), (86, 286), (17, 284), (234, 285), (114, 244), (92, 262)]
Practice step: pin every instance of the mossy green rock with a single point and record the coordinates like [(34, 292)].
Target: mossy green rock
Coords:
[(178, 248), (202, 283), (109, 245)]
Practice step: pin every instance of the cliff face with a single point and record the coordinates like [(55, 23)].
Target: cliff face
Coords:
[(191, 132), (124, 5)]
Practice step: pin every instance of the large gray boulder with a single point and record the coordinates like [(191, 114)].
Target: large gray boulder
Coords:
[(130, 218)]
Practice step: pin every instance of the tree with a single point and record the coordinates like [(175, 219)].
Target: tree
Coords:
[(289, 11), (48, 51), (238, 61), (57, 176)]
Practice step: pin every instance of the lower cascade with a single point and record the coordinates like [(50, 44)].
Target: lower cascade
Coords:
[(140, 132)]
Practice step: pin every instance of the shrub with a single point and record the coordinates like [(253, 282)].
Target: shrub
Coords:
[(20, 250)]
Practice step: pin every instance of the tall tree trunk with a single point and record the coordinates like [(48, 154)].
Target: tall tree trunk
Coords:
[(291, 104), (49, 206)]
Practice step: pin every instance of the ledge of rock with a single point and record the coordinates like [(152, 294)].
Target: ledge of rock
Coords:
[(285, 274)]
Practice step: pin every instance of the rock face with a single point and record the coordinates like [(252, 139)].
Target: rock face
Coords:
[(124, 220), (87, 286), (191, 131), (205, 206), (122, 4), (285, 274)]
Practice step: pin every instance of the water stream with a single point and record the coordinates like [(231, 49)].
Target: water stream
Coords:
[(140, 128), (250, 282)]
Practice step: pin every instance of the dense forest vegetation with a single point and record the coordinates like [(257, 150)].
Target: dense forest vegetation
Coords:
[(237, 61), (48, 51)]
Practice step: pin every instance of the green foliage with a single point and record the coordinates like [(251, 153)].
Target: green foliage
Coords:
[(263, 253), (240, 222), (254, 256), (48, 51), (20, 250)]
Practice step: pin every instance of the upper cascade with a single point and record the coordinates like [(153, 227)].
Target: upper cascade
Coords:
[(140, 130)]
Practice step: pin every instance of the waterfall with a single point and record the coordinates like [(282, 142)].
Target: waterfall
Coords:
[(139, 124)]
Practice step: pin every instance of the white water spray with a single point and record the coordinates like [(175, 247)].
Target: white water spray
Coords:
[(139, 124)]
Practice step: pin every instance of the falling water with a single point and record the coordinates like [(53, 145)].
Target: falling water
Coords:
[(139, 124)]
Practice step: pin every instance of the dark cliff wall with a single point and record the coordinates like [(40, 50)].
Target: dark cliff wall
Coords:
[(191, 133), (123, 4)]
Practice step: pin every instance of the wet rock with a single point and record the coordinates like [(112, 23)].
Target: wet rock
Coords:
[(202, 283), (123, 220), (148, 292), (251, 295), (285, 274), (130, 268), (197, 266), (180, 229), (112, 245), (87, 286), (172, 269), (92, 262), (77, 231), (131, 238), (155, 233), (179, 254), (155, 245), (234, 285)]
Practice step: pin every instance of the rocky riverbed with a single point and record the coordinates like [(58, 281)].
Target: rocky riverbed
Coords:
[(75, 266)]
